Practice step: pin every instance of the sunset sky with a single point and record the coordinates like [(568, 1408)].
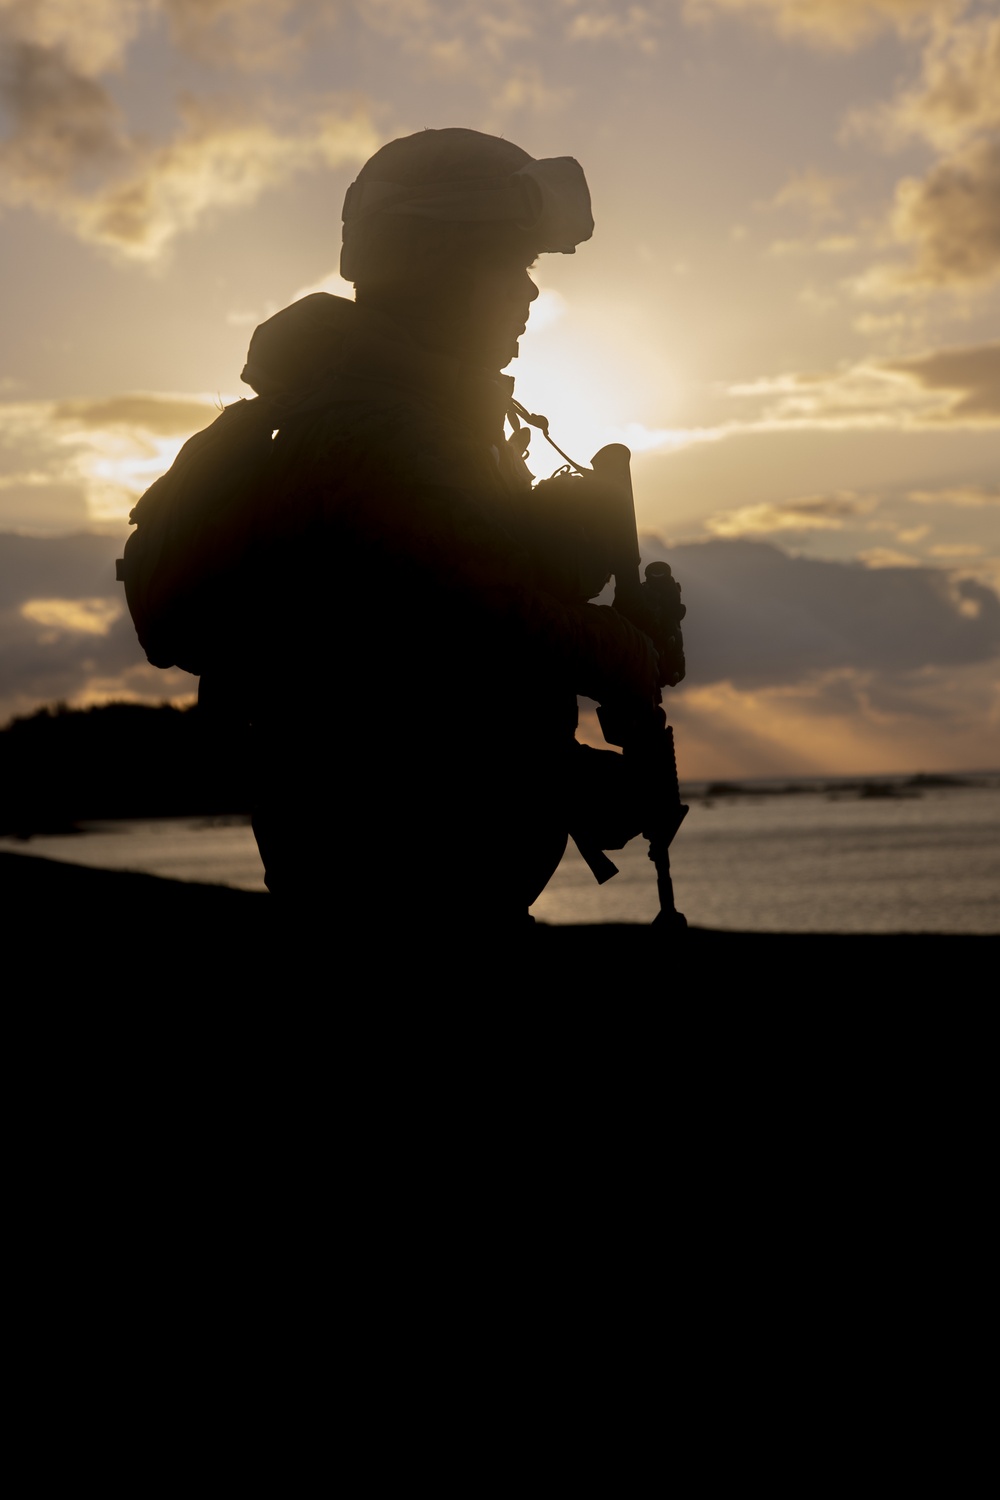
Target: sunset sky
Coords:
[(789, 310)]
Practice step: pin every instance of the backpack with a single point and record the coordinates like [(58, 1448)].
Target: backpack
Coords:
[(189, 566)]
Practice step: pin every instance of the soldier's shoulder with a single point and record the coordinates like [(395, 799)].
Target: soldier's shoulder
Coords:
[(380, 427)]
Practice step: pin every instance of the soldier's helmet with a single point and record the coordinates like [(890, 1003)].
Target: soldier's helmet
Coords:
[(458, 188)]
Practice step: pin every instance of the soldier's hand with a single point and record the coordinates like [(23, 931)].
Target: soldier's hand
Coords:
[(672, 665), (637, 677), (650, 679), (622, 660), (658, 611)]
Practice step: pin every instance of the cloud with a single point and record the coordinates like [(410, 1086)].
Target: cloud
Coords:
[(797, 666), (859, 395), (951, 218), (452, 34), (251, 35), (526, 89), (817, 192), (881, 323), (218, 160), (82, 616), (757, 616), (967, 497), (912, 534), (775, 643), (69, 567), (958, 95), (71, 155), (820, 513), (837, 244), (833, 244), (65, 126), (957, 549), (66, 464), (844, 722), (923, 393), (887, 557), (35, 502), (92, 35), (332, 284), (949, 387), (642, 439), (168, 415), (833, 23), (498, 45), (631, 24), (970, 376), (62, 622)]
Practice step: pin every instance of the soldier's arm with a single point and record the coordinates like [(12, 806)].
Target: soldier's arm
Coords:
[(421, 502)]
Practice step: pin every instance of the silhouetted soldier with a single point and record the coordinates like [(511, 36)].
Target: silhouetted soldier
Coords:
[(414, 687)]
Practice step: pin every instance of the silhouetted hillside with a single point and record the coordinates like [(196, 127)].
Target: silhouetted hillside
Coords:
[(121, 760)]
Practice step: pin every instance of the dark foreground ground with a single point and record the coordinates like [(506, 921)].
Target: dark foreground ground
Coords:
[(135, 935), (185, 1072)]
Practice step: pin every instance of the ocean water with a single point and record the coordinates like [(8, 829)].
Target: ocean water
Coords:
[(812, 861), (214, 851)]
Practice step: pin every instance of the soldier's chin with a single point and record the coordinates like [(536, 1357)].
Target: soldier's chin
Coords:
[(512, 352)]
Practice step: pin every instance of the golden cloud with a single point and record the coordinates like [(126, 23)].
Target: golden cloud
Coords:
[(83, 616), (952, 218), (70, 156), (833, 244), (615, 23), (65, 125), (815, 191), (966, 497), (448, 32), (526, 89), (888, 557), (819, 513), (844, 722), (948, 387), (167, 415), (970, 376), (862, 395), (833, 23), (958, 95), (92, 35), (94, 456), (872, 324), (759, 617), (247, 34), (955, 388), (215, 162)]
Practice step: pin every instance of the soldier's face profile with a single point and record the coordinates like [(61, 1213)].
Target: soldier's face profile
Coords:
[(502, 292)]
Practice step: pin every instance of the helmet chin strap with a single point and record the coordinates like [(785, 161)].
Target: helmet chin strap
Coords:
[(516, 410)]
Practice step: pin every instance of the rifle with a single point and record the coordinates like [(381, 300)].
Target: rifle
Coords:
[(654, 606), (645, 737)]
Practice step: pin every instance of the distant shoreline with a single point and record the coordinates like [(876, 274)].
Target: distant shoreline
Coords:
[(895, 785), (61, 767), (868, 788)]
